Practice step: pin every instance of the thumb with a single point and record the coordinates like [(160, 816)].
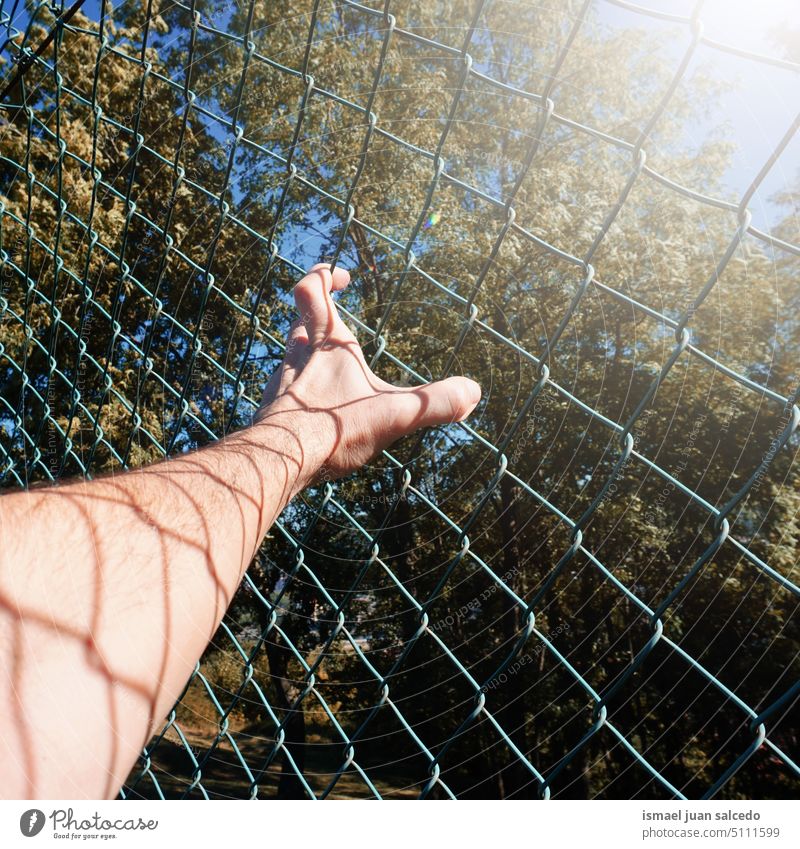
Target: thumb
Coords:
[(443, 402)]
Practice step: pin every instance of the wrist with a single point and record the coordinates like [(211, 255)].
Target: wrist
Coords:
[(303, 439)]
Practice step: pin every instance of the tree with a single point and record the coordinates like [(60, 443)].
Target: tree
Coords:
[(706, 430)]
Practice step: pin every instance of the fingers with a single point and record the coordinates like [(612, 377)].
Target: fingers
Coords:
[(442, 402), (294, 359), (315, 305), (296, 339), (297, 353)]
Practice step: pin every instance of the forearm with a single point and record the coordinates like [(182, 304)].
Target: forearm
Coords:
[(110, 590), (112, 593)]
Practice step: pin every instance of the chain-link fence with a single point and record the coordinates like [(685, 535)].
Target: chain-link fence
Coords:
[(587, 588)]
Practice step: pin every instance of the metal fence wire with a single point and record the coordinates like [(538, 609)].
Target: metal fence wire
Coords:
[(587, 588)]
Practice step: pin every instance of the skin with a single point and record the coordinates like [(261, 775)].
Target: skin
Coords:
[(111, 589)]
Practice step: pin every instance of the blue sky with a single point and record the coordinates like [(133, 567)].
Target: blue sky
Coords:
[(762, 101)]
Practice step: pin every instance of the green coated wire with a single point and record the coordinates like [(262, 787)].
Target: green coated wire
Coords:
[(298, 553)]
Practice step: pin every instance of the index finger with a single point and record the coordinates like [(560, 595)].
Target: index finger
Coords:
[(312, 295)]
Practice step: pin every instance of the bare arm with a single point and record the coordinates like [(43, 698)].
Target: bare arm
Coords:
[(111, 589)]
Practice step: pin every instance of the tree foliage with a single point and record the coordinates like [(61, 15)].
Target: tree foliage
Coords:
[(708, 431)]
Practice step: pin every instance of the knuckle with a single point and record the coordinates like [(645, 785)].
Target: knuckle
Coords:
[(302, 287), (457, 403)]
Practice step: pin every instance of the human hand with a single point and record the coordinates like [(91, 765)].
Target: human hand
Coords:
[(324, 392)]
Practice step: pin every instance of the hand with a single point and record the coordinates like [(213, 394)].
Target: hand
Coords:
[(325, 393)]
